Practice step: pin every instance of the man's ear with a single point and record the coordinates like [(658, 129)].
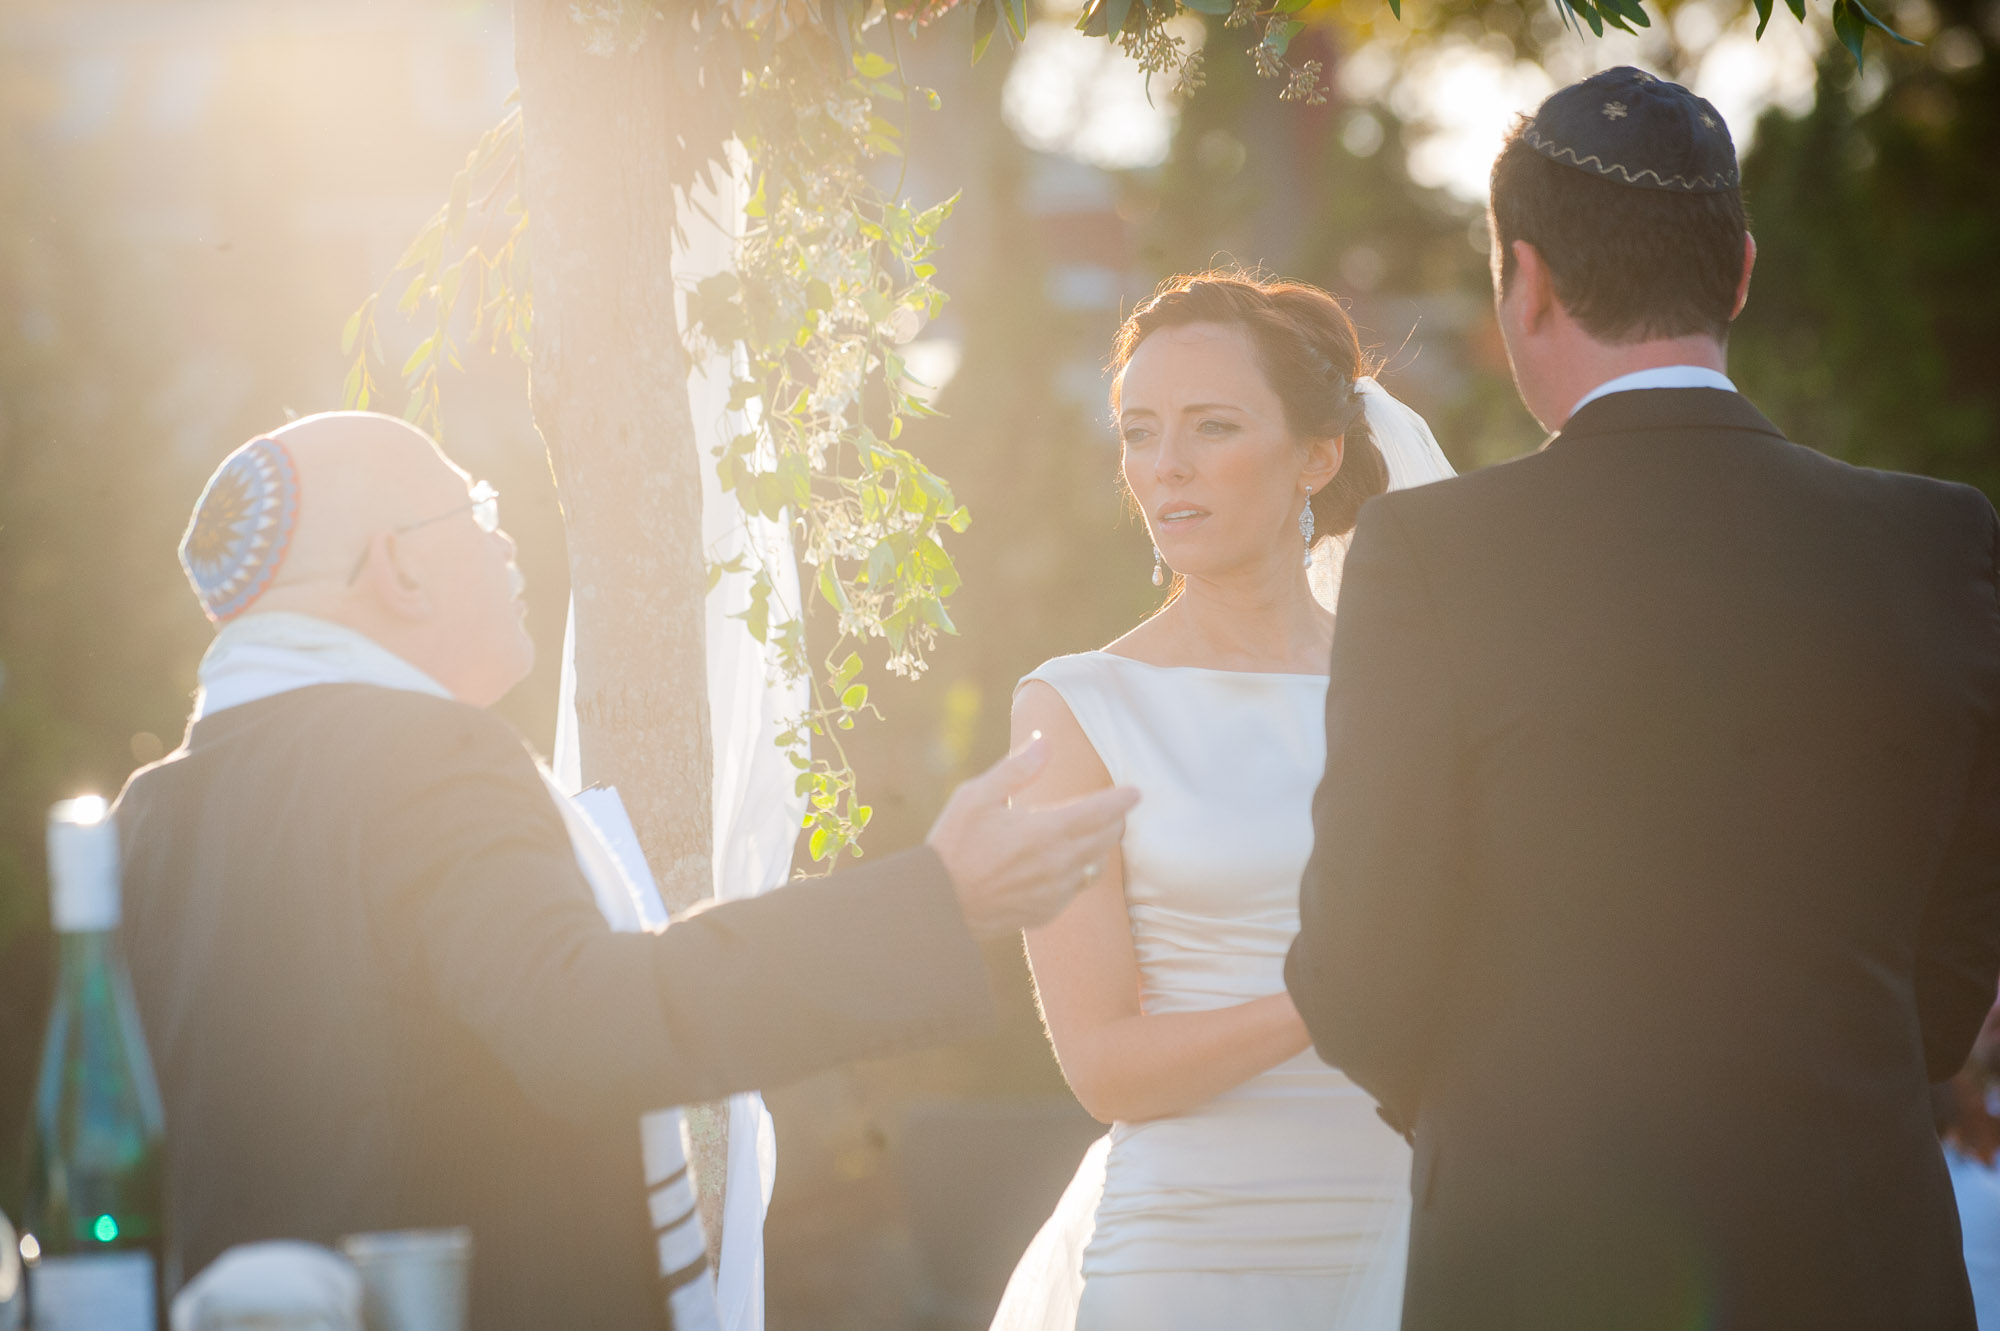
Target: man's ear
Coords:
[(1532, 292), (1743, 282), (385, 581)]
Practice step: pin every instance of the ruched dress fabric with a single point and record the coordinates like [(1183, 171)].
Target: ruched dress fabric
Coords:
[(1284, 1202)]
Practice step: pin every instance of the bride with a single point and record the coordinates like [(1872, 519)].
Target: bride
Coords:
[(1243, 1182)]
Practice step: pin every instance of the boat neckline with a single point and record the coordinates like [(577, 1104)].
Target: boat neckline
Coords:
[(1215, 670)]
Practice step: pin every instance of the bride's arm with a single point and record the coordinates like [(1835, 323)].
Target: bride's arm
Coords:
[(1123, 1064)]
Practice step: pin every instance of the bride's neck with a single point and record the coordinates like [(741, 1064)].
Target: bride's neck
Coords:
[(1264, 623)]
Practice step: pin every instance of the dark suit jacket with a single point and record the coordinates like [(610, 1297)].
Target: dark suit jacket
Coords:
[(1658, 873), (379, 995)]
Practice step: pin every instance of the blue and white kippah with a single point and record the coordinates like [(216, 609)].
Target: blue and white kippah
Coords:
[(242, 527)]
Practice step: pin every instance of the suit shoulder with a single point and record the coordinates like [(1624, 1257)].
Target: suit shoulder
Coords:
[(1943, 506), (402, 735), (1442, 501)]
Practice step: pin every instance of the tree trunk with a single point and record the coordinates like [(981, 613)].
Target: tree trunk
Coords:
[(609, 389)]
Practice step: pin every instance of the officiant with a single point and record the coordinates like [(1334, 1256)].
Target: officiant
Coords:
[(364, 931)]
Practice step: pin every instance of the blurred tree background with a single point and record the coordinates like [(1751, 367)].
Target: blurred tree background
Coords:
[(193, 195)]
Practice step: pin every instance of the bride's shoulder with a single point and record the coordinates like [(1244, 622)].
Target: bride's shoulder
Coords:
[(1059, 700), (1061, 676)]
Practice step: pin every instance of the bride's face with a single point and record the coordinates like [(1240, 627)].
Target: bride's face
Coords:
[(1208, 454)]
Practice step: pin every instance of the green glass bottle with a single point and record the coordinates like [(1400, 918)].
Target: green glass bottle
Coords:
[(94, 1224)]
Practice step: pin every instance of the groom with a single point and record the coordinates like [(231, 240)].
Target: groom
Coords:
[(1658, 853)]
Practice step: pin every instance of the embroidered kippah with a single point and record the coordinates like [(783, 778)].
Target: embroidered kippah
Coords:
[(242, 527), (1628, 127)]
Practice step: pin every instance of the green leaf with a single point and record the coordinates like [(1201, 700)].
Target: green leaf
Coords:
[(984, 20), (1764, 8), (872, 65), (448, 287), (881, 563), (1017, 18), (1115, 12), (350, 331), (1280, 39), (933, 610), (350, 392), (1868, 17), (420, 355), (1396, 8), (1224, 6), (461, 189), (429, 241), (929, 220), (1849, 27), (817, 845), (1633, 13), (830, 589), (855, 697)]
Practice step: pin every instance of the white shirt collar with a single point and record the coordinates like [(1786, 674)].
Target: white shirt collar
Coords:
[(1665, 376), (269, 652)]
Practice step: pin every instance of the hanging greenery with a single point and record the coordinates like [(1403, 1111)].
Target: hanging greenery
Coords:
[(834, 277)]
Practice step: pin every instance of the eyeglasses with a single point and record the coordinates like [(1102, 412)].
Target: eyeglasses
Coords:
[(483, 504)]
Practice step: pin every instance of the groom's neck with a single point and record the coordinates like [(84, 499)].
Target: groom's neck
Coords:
[(1579, 363)]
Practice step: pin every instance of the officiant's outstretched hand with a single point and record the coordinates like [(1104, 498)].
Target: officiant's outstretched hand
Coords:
[(1017, 868)]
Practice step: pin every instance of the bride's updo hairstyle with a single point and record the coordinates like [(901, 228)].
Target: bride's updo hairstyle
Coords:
[(1310, 355)]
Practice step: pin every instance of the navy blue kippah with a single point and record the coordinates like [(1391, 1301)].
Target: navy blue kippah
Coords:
[(1630, 128)]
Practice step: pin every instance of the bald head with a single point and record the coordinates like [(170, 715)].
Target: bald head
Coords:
[(381, 534), (364, 473)]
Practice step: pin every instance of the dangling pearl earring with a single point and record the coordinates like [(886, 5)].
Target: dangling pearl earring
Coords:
[(1306, 527), (1159, 568)]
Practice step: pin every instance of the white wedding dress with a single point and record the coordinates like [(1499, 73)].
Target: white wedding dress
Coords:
[(1283, 1203)]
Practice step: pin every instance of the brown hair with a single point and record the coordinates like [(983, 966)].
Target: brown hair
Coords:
[(1628, 264), (1309, 352)]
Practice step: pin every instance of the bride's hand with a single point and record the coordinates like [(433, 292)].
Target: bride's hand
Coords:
[(1015, 868)]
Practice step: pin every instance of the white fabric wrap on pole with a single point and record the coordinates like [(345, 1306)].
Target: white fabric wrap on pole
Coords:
[(757, 814)]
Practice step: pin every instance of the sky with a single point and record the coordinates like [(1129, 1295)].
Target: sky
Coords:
[(1078, 95)]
